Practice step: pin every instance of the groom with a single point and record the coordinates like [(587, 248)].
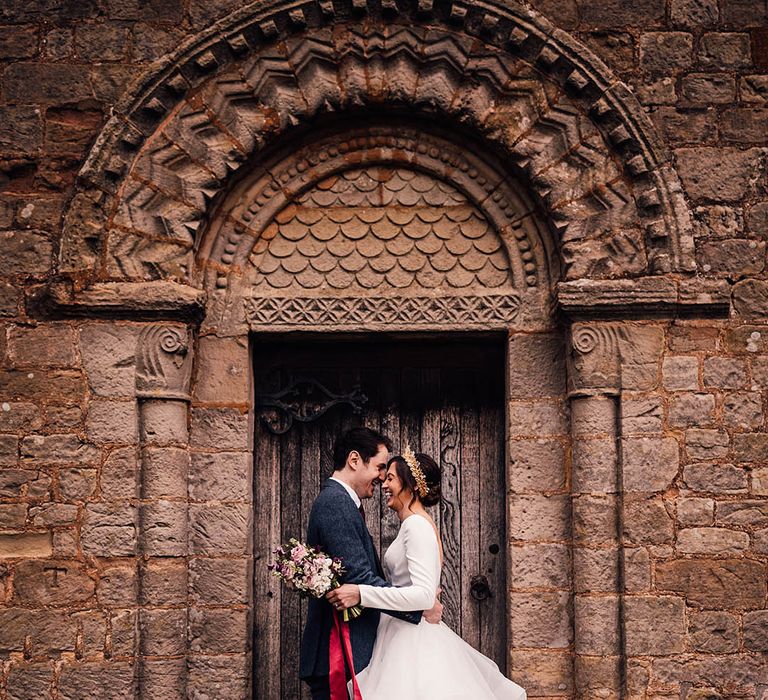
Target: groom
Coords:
[(337, 527)]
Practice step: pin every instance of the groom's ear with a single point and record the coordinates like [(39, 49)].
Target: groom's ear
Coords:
[(354, 459)]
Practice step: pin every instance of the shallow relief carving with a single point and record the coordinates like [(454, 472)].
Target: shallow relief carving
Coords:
[(163, 363), (243, 87)]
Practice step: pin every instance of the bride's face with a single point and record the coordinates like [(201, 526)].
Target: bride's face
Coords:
[(397, 496)]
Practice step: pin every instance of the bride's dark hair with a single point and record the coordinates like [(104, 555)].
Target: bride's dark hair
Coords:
[(431, 476)]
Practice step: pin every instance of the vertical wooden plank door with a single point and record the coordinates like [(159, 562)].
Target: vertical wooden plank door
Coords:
[(442, 396)]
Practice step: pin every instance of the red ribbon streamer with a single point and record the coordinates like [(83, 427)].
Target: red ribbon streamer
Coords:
[(339, 650)]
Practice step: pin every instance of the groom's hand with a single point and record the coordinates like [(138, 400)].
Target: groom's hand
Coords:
[(435, 614), (345, 596)]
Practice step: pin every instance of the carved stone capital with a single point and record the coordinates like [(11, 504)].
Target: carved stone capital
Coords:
[(605, 358), (163, 362), (594, 358)]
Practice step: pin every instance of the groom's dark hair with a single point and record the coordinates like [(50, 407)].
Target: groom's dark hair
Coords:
[(364, 441)]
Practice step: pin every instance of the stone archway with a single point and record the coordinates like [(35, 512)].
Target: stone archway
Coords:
[(196, 133)]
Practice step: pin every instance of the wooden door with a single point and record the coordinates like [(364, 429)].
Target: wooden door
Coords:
[(444, 397)]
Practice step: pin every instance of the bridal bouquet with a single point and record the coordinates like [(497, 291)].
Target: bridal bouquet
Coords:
[(309, 571)]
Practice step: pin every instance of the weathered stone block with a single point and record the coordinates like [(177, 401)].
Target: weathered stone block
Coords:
[(209, 674), (536, 465), (59, 386), (594, 465), (542, 673), (535, 518), (118, 586), (163, 632), (109, 680), (715, 583), (693, 14), (735, 258), (756, 630), (30, 680), (537, 418), (101, 42), (724, 50), (615, 13), (540, 566), (754, 88), (25, 544), (649, 464), (21, 127), (641, 415), (59, 449), (680, 373), (654, 625), (112, 422), (720, 174), (743, 410), (123, 629), (42, 346), (18, 41), (165, 472), (222, 370), (39, 82), (715, 478), (108, 352), (119, 475), (713, 632), (662, 52), (593, 416), (47, 582), (221, 476), (217, 631), (753, 513), (648, 521), (220, 428), (547, 375), (54, 514), (750, 447), (164, 528), (77, 484), (706, 444), (24, 253), (109, 530), (594, 520), (164, 422), (166, 678), (637, 570), (543, 620), (681, 127), (595, 570), (596, 625), (711, 540), (19, 416), (220, 529), (689, 409), (708, 88), (220, 581), (744, 125)]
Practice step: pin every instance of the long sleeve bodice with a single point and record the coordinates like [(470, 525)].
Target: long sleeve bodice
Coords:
[(412, 565)]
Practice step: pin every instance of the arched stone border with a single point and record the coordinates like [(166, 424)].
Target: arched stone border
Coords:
[(179, 133)]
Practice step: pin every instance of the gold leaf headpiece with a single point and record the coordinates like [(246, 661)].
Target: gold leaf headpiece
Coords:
[(418, 474)]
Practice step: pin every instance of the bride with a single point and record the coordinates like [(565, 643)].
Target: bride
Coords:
[(432, 660)]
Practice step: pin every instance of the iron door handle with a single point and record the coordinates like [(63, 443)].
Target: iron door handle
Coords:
[(479, 588)]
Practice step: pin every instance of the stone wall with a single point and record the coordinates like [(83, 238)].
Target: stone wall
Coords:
[(87, 586)]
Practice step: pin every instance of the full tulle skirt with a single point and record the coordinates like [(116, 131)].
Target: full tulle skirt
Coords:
[(430, 662)]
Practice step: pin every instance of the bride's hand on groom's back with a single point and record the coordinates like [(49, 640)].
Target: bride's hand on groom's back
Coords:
[(435, 614)]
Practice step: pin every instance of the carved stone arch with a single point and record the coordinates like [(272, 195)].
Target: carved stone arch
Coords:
[(576, 136), (395, 210)]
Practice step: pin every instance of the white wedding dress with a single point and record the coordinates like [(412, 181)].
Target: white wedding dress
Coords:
[(424, 661)]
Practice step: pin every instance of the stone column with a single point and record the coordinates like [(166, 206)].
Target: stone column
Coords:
[(594, 381), (163, 369)]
